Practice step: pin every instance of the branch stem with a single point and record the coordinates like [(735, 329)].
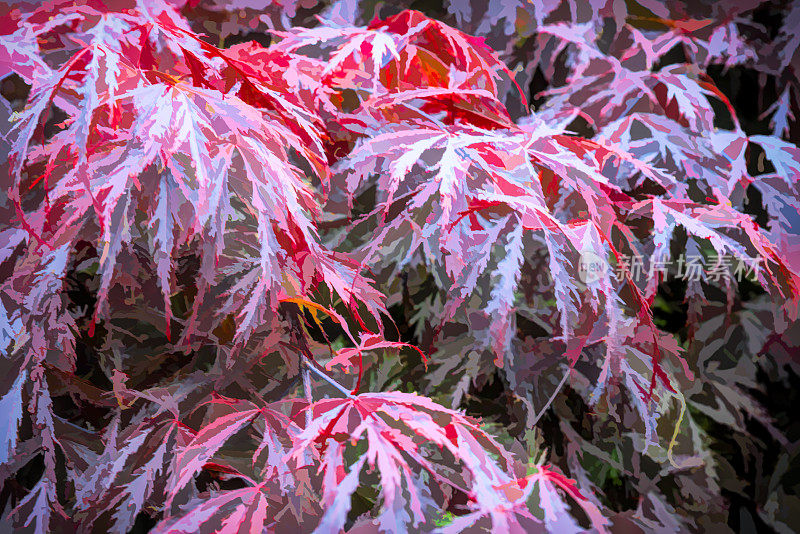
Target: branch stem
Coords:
[(311, 366)]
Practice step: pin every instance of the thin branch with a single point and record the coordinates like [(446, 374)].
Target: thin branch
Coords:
[(552, 398), (326, 378), (307, 391)]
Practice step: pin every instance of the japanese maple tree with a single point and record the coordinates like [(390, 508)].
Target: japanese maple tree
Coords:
[(257, 261)]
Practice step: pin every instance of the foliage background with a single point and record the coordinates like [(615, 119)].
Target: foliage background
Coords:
[(727, 460)]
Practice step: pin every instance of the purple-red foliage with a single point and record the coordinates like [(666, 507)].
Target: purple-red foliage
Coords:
[(202, 243)]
